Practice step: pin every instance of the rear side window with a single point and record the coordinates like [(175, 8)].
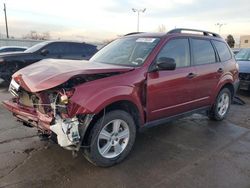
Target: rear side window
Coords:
[(178, 49), (223, 50), (72, 48), (203, 52), (55, 48), (89, 49)]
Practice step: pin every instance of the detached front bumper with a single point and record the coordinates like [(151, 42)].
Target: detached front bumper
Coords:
[(29, 115)]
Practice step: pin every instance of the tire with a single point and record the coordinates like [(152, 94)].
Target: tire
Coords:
[(107, 146), (222, 105)]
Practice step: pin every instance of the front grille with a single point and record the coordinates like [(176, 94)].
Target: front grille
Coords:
[(244, 76), (13, 91)]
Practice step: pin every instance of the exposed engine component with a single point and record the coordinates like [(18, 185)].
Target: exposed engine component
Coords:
[(79, 79), (64, 99), (66, 131), (69, 131)]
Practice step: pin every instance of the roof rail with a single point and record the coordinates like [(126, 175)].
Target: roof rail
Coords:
[(133, 33), (205, 33)]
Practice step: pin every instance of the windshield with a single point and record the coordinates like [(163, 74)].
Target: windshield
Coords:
[(36, 47), (243, 55), (126, 51)]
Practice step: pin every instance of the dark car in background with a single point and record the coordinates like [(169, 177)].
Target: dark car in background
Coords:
[(235, 50), (11, 62), (5, 49), (243, 59)]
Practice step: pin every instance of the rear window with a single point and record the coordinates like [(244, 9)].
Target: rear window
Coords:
[(89, 49), (203, 52), (223, 50)]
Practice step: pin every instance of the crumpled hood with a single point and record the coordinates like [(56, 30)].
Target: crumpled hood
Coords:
[(244, 66), (50, 73)]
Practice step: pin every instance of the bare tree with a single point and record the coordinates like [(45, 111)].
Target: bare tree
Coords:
[(230, 40), (45, 36), (34, 35), (162, 28)]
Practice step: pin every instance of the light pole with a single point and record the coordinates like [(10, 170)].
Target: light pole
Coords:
[(6, 23), (220, 25), (138, 16)]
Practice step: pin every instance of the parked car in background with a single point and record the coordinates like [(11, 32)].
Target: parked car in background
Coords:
[(5, 49), (137, 81), (243, 59), (235, 50), (11, 62)]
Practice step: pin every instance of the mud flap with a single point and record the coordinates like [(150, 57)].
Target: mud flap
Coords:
[(238, 100)]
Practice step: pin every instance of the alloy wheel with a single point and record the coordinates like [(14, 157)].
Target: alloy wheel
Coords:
[(223, 104), (113, 138)]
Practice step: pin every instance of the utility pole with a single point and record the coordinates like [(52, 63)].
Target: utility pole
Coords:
[(138, 16), (6, 23)]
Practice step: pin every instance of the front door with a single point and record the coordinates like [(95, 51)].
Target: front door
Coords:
[(170, 92)]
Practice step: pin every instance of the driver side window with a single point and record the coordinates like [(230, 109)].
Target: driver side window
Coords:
[(178, 49)]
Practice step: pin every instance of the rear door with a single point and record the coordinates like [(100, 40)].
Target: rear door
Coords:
[(74, 51), (68, 51), (208, 70), (170, 92), (55, 50)]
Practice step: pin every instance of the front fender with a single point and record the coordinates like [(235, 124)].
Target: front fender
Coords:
[(93, 101)]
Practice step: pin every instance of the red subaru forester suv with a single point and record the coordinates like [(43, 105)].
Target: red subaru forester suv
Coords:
[(136, 81)]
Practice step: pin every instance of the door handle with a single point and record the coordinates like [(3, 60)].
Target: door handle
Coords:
[(191, 75), (220, 70)]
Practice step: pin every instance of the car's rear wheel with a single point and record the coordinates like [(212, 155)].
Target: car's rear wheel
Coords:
[(111, 139), (222, 105)]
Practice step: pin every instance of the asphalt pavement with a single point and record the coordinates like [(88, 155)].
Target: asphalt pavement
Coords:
[(191, 152)]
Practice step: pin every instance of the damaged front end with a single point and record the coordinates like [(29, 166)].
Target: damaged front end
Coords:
[(49, 111), (46, 97)]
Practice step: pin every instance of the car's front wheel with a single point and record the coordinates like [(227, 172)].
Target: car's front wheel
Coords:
[(111, 138)]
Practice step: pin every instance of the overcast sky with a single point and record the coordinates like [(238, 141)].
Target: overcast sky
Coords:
[(94, 20)]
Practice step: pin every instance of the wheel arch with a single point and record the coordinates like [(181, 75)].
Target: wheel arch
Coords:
[(226, 81), (126, 105), (230, 87)]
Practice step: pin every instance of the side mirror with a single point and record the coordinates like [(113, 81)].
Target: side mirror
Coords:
[(166, 63), (44, 52)]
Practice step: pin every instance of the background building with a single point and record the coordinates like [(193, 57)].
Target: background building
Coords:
[(245, 41)]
